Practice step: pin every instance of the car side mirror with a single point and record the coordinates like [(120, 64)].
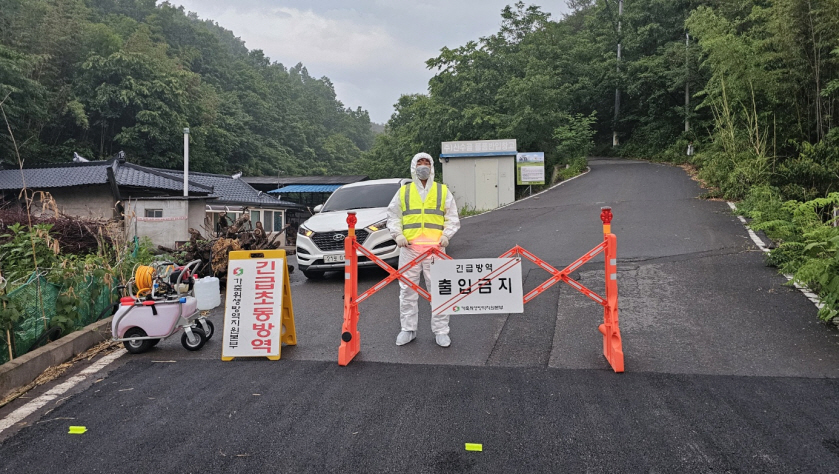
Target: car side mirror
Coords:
[(318, 208)]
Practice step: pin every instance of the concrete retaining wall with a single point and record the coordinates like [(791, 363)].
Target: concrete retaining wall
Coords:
[(23, 370)]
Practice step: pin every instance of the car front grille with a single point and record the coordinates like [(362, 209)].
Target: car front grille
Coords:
[(389, 243), (326, 241)]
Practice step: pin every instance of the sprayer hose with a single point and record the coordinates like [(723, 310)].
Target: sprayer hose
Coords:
[(143, 278)]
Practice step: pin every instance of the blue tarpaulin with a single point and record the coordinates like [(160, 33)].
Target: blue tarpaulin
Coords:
[(307, 188)]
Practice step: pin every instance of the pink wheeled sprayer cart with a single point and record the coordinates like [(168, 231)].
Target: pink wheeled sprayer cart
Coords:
[(160, 301)]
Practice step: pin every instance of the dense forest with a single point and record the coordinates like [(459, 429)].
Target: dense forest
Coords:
[(101, 76)]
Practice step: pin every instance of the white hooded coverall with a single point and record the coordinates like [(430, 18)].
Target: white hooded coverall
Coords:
[(408, 308)]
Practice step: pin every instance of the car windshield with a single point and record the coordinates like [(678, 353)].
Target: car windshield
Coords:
[(361, 197)]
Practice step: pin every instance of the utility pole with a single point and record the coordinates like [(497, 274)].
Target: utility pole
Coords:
[(687, 82), (186, 162), (617, 89)]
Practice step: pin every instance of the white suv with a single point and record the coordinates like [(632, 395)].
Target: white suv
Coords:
[(320, 240)]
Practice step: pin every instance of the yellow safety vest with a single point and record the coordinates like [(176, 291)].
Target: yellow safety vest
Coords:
[(423, 218)]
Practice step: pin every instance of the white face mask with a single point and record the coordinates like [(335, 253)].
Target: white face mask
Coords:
[(423, 172)]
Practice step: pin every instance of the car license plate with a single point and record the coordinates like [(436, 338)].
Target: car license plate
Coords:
[(333, 258)]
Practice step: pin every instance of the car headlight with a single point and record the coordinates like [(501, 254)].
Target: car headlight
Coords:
[(304, 231), (378, 225)]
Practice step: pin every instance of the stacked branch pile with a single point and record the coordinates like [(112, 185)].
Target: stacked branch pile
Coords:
[(238, 235), (74, 235)]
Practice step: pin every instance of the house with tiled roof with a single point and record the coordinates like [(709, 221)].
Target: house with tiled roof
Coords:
[(151, 201)]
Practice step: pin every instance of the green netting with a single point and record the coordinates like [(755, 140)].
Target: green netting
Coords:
[(94, 297), (37, 301)]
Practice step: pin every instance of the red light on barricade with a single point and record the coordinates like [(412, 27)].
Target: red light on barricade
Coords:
[(606, 217), (351, 221)]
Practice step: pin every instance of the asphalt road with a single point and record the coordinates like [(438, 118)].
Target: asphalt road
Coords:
[(727, 368)]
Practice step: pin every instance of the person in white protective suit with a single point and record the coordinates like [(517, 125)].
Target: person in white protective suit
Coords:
[(421, 214)]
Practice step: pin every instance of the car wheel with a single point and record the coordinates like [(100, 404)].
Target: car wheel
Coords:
[(313, 275)]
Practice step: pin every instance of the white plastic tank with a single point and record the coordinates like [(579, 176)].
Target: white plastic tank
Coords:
[(207, 292), (157, 320)]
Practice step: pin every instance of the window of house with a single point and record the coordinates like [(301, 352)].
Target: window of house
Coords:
[(216, 220), (154, 212), (231, 218), (268, 221), (278, 221), (255, 217)]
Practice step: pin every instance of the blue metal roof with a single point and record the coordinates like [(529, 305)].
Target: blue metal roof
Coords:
[(307, 188)]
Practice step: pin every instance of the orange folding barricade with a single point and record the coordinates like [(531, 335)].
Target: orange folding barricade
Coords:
[(612, 344)]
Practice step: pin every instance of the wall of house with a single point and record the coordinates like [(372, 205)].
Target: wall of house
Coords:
[(171, 226), (175, 218), (89, 201), (197, 213)]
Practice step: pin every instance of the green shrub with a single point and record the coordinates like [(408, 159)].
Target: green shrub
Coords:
[(734, 175), (575, 136), (23, 247), (764, 204), (10, 314), (813, 173), (468, 210), (808, 244), (575, 167), (83, 283), (676, 152)]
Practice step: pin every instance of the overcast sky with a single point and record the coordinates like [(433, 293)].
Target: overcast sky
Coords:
[(373, 51)]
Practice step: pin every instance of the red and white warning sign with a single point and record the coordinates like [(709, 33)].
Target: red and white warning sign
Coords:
[(252, 326), (476, 286)]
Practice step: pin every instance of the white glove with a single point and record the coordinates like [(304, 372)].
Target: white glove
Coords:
[(444, 241), (401, 241)]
